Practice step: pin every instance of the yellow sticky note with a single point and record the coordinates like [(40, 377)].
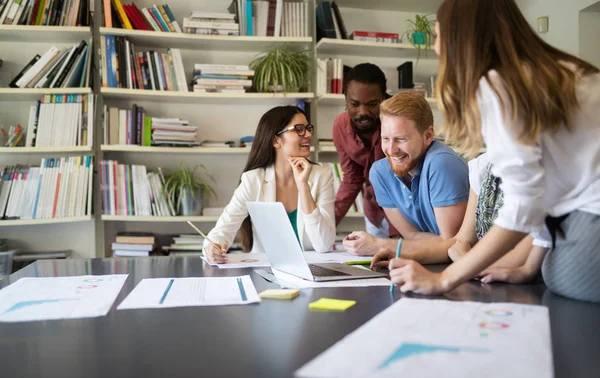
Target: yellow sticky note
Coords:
[(279, 294), (331, 304)]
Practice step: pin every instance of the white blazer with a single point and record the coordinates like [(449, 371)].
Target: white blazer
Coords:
[(316, 231)]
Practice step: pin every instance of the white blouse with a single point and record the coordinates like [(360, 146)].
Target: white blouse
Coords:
[(557, 175)]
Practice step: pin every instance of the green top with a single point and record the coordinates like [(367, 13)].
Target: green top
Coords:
[(293, 217)]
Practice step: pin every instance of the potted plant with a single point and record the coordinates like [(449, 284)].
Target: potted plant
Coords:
[(420, 33), (189, 190), (280, 70)]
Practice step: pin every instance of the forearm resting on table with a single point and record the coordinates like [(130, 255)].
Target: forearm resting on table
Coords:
[(495, 244), (423, 251)]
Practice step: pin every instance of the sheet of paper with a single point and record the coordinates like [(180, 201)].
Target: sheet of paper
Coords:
[(35, 298), (191, 291), (260, 260), (438, 338), (289, 281)]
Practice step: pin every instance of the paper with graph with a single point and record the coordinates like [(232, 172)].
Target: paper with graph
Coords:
[(47, 298), (438, 338), (191, 291)]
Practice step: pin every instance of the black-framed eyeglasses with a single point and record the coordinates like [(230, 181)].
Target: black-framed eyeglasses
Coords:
[(300, 129)]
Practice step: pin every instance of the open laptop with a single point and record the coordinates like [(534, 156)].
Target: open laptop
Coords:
[(285, 254)]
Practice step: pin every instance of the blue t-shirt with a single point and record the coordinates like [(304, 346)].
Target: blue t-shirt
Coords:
[(442, 180)]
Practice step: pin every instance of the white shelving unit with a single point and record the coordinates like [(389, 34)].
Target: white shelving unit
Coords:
[(44, 34), (33, 94), (207, 42), (218, 115), (328, 46), (33, 222), (339, 99), (195, 98), (46, 150)]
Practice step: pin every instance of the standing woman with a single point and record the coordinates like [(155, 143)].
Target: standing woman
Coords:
[(278, 171), (537, 109)]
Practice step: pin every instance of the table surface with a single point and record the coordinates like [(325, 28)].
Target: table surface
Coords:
[(270, 339)]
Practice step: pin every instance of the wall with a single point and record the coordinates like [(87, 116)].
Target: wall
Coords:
[(589, 34), (564, 20)]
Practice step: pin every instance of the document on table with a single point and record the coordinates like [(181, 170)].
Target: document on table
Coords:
[(260, 260), (191, 291), (290, 281), (438, 338), (47, 298)]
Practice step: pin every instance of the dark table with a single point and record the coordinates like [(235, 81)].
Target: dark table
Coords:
[(270, 339)]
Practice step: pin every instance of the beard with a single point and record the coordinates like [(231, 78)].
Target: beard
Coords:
[(365, 124), (402, 169)]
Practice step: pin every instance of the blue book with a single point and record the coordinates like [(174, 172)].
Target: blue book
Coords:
[(249, 24), (159, 18), (161, 72)]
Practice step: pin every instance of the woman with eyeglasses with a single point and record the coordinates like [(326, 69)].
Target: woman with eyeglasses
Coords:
[(538, 111), (278, 170)]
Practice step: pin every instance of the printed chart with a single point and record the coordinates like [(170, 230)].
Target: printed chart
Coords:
[(49, 298), (438, 338)]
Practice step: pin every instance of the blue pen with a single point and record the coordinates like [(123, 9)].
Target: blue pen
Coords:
[(397, 255)]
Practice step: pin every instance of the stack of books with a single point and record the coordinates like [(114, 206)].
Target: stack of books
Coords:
[(330, 76), (210, 23), (185, 245), (217, 143), (338, 176), (123, 67), (132, 190), (326, 143), (45, 12), (61, 121), (155, 18), (57, 68), (246, 141), (58, 188), (173, 132), (130, 244), (222, 78)]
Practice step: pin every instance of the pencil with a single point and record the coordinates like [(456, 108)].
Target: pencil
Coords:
[(204, 236), (397, 255)]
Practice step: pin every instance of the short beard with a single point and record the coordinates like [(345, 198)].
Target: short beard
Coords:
[(403, 169)]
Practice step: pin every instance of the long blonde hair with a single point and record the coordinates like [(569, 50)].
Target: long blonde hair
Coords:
[(482, 35)]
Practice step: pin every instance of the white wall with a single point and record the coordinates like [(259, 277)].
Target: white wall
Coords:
[(564, 20), (589, 35)]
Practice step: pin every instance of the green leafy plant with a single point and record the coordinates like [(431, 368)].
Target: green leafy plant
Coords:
[(193, 181), (422, 24), (280, 69)]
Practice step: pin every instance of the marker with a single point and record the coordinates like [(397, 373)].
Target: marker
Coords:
[(397, 255), (359, 262)]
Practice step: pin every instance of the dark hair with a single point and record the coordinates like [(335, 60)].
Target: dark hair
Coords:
[(367, 73), (262, 153)]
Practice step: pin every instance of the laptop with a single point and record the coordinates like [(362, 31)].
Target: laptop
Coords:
[(283, 249)]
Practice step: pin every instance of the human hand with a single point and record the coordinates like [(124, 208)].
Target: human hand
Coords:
[(361, 243), (412, 276), (511, 275), (458, 250), (382, 258), (301, 169), (216, 255)]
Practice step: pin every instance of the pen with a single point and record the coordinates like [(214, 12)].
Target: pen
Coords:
[(359, 262), (204, 236), (397, 255)]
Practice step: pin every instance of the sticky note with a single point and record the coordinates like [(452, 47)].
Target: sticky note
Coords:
[(279, 294), (331, 304)]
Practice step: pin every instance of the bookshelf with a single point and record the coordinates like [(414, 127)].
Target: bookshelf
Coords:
[(33, 94), (327, 46), (44, 34), (195, 98), (207, 42), (339, 100), (33, 222), (219, 116)]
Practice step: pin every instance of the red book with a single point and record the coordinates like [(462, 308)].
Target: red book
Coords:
[(358, 33), (138, 16)]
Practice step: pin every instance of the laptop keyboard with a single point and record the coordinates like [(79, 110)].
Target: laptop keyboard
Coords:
[(319, 271)]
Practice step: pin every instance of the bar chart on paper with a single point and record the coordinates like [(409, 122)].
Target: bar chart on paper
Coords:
[(437, 338), (191, 291), (49, 298)]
